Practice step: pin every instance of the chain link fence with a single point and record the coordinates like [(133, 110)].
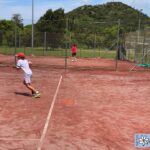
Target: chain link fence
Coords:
[(93, 40), (137, 46)]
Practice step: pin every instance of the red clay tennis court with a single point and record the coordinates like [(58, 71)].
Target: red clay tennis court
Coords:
[(80, 109)]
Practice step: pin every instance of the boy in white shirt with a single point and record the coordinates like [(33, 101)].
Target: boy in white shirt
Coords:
[(24, 65)]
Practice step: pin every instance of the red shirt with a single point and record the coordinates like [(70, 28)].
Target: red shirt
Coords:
[(74, 49)]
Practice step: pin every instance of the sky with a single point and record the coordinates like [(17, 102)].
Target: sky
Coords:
[(24, 7)]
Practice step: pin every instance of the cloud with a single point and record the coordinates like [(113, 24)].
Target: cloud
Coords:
[(87, 1)]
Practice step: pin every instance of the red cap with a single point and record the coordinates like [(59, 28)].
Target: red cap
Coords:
[(21, 55)]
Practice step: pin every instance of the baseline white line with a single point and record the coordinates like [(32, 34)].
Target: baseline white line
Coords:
[(48, 117)]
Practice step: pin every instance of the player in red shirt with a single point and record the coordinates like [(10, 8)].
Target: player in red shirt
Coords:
[(74, 51)]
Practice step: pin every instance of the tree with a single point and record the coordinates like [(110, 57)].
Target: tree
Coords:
[(52, 21), (54, 24), (6, 28), (18, 20)]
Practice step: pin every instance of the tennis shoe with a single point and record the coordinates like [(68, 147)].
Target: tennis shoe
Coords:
[(37, 94)]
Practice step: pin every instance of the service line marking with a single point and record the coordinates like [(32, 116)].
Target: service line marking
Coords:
[(48, 117)]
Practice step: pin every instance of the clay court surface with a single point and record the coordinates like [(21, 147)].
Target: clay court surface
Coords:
[(81, 108)]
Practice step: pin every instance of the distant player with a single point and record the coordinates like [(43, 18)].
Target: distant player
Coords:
[(24, 64), (74, 52)]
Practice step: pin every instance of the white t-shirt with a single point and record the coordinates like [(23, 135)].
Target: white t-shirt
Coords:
[(24, 65)]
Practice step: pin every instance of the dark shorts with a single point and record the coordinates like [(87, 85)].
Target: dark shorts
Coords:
[(73, 54)]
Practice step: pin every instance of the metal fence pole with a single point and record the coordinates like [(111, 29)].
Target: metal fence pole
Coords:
[(143, 49), (94, 45), (15, 37), (32, 24), (66, 52), (118, 38), (45, 43)]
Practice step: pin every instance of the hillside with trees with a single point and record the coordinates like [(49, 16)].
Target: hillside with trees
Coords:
[(109, 12), (88, 26)]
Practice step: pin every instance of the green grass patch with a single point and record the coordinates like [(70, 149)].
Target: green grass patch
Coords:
[(81, 53)]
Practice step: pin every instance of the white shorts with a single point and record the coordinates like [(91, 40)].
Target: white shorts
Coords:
[(27, 78)]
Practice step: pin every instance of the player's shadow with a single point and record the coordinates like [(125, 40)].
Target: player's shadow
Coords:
[(23, 93)]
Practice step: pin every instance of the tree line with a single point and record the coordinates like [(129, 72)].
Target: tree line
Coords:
[(88, 26)]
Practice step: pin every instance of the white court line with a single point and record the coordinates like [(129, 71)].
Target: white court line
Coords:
[(9, 139), (48, 117)]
